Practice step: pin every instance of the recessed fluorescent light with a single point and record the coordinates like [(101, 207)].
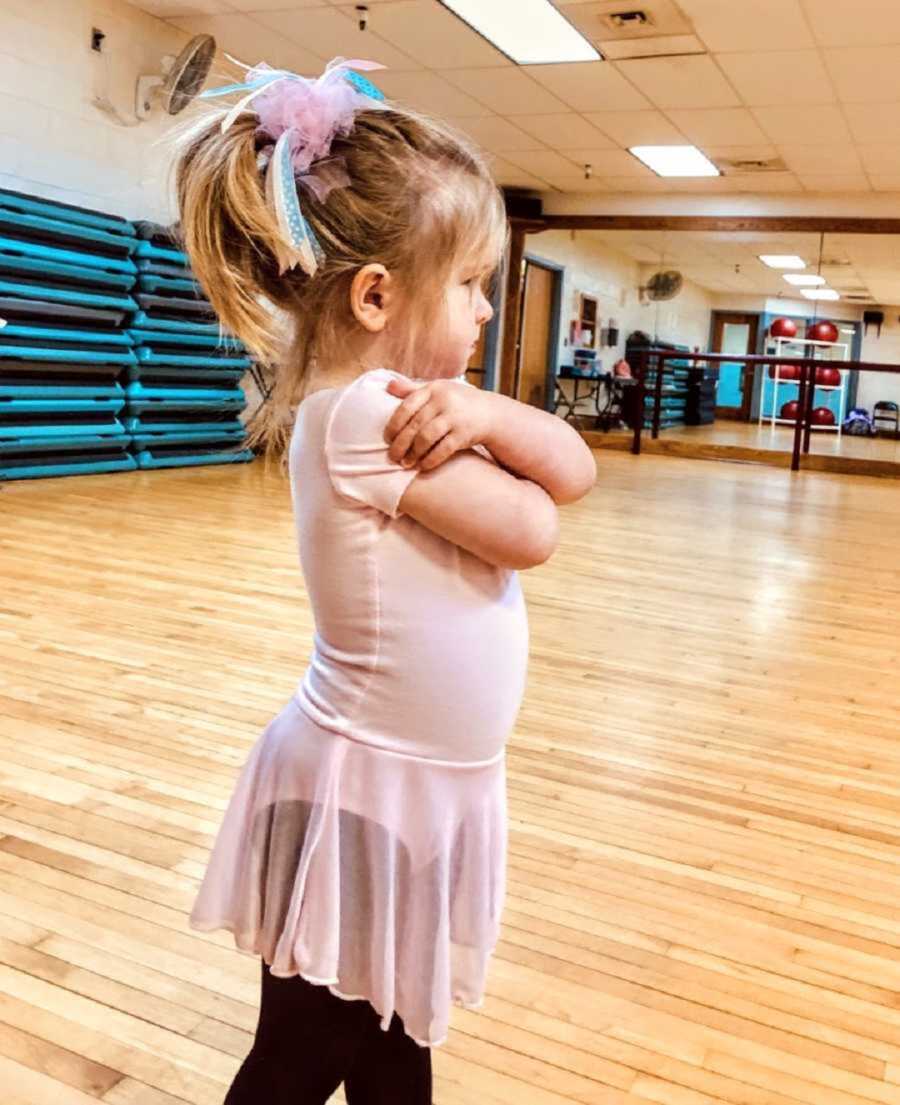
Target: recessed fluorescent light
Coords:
[(782, 261), (675, 160), (531, 32), (804, 280), (820, 293)]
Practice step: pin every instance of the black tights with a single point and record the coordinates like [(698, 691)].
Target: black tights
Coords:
[(308, 1042)]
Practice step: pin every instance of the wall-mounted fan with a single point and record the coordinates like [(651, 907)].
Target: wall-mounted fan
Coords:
[(179, 82), (663, 285)]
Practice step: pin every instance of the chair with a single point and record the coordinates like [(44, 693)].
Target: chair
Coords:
[(886, 411)]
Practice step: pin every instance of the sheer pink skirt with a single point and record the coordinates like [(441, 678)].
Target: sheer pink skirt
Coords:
[(378, 875)]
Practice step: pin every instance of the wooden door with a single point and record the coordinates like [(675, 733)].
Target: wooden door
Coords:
[(735, 333), (536, 334)]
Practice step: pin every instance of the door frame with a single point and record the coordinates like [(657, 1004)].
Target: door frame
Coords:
[(558, 272), (717, 326)]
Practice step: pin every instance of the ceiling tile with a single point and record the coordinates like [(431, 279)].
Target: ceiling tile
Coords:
[(169, 9), (885, 182), (882, 159), (733, 126), (431, 34), (610, 162), (771, 182), (804, 126), (271, 5), (740, 153), (496, 134), (821, 159), (515, 177), (507, 91), (564, 131), (546, 164), (760, 25), (589, 86), (820, 182), (650, 183), (330, 33), (429, 92), (680, 82), (865, 75), (874, 122), (868, 21), (779, 77), (250, 42), (637, 128)]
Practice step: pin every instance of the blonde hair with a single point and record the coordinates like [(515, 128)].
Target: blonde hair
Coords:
[(420, 201)]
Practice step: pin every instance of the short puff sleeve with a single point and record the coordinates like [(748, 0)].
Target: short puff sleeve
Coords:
[(356, 452)]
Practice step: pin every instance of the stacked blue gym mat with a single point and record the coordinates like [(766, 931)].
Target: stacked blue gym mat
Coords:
[(83, 391), (183, 393), (65, 277)]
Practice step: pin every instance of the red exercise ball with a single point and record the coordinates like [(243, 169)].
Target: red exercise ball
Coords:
[(785, 371), (790, 410), (783, 328), (822, 416), (822, 331), (828, 377)]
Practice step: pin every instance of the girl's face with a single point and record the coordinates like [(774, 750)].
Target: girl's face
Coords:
[(466, 310)]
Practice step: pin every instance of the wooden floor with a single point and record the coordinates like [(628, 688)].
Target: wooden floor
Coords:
[(704, 898)]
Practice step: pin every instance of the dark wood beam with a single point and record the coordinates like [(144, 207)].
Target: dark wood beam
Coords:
[(511, 307), (768, 224)]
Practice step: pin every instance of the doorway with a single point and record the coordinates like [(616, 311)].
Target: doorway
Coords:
[(734, 333), (538, 333)]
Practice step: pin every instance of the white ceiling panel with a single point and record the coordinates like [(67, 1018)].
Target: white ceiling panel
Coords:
[(820, 159), (637, 128), (883, 158), (564, 131), (866, 74), (741, 153), (780, 77), (513, 176), (637, 184), (822, 182), (768, 182), (330, 33), (861, 23), (733, 126), (429, 92), (498, 135), (874, 122), (251, 42), (547, 164), (170, 9), (885, 182), (431, 34), (610, 162), (750, 25), (589, 86), (680, 82), (506, 91), (273, 5), (805, 126)]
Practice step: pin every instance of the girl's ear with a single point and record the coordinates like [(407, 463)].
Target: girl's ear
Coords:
[(371, 297)]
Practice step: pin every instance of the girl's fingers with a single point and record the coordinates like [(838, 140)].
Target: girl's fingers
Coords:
[(440, 454), (402, 443), (426, 439), (410, 406)]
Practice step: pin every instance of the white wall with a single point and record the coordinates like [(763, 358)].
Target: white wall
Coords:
[(881, 350), (595, 268), (53, 142)]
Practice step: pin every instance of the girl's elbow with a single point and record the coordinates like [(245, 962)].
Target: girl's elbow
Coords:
[(540, 543)]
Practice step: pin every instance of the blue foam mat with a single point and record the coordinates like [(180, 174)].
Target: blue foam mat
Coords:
[(86, 236), (97, 280), (158, 253), (34, 205), (145, 459), (66, 295), (16, 248)]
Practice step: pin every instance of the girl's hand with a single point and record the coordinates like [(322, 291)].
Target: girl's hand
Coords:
[(436, 419)]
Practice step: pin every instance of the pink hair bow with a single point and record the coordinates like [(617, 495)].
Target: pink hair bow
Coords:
[(302, 116)]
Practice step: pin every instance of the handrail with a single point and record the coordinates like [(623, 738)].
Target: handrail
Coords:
[(807, 366)]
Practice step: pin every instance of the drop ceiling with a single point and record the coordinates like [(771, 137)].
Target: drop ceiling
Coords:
[(856, 265), (814, 84)]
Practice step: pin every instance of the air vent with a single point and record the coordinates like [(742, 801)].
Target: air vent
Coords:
[(657, 28), (733, 166), (859, 297)]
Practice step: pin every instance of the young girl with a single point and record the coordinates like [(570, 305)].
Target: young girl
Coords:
[(362, 854)]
